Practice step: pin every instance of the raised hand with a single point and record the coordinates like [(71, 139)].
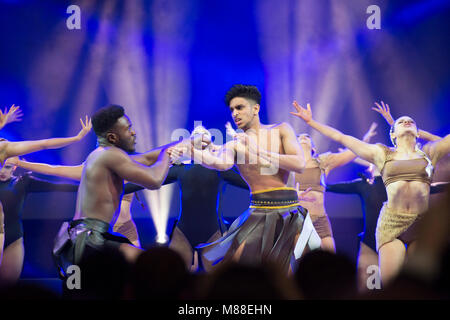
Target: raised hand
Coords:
[(230, 131), (12, 115), (302, 113), (85, 127), (384, 110), (371, 132)]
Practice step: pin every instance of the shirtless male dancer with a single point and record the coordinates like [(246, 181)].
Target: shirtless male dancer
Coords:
[(264, 155), (101, 188)]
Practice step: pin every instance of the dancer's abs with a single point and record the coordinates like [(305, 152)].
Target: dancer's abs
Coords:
[(257, 180), (408, 196), (99, 197)]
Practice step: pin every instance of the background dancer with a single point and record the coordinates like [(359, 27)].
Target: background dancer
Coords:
[(13, 193), (13, 114), (312, 183)]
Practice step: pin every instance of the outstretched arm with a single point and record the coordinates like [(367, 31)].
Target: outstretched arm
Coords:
[(13, 114), (293, 158), (384, 110), (369, 152), (71, 172), (217, 158), (10, 149), (222, 159), (150, 177), (171, 177), (438, 149), (362, 162), (150, 157), (343, 157)]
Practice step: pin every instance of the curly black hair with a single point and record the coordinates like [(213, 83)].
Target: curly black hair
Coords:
[(105, 118), (243, 91)]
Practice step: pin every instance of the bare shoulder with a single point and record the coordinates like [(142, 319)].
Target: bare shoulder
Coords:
[(283, 127), (387, 151), (107, 155), (279, 126)]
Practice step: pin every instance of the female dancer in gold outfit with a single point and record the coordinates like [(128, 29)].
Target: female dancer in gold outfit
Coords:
[(406, 172)]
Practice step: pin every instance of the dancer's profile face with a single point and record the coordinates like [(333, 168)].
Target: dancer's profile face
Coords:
[(7, 170), (126, 134), (243, 111)]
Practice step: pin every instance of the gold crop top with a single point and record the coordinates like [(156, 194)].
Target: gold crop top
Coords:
[(404, 170), (311, 178)]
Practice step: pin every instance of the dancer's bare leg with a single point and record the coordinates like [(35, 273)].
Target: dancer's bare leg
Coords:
[(327, 244), (181, 245), (207, 265), (391, 259), (12, 263), (131, 253)]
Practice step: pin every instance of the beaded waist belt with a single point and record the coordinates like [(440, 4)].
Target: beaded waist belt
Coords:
[(276, 198)]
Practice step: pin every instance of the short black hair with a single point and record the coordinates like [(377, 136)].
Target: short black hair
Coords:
[(243, 91), (105, 118)]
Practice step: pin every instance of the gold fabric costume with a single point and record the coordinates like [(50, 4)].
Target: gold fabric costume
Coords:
[(393, 224)]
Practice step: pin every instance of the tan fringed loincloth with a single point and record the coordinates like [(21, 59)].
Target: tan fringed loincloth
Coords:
[(322, 225), (396, 225), (127, 229), (268, 229)]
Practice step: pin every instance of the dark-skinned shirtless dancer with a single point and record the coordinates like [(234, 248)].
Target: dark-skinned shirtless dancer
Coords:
[(101, 189)]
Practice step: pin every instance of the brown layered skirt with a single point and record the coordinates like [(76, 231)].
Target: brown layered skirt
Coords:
[(267, 230)]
